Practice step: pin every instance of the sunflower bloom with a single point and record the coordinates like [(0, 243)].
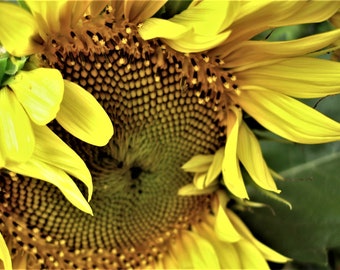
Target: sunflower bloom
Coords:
[(257, 77), (176, 90)]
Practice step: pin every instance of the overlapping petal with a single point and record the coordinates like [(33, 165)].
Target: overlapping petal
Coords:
[(258, 51), (232, 261), (139, 11), (64, 157), (267, 252), (250, 256), (16, 134), (230, 168), (195, 252), (40, 92), (18, 31), (301, 77), (154, 27), (38, 169), (291, 13), (81, 115), (288, 117), (250, 154), (198, 163), (47, 15), (224, 229), (198, 28)]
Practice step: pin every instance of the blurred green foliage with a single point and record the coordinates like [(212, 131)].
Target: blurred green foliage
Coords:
[(310, 232)]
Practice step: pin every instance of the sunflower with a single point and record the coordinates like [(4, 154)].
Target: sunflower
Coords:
[(176, 90)]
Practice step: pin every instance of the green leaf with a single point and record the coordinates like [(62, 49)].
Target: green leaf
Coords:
[(309, 231)]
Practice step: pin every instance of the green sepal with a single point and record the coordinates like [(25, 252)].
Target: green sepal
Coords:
[(14, 64), (3, 63)]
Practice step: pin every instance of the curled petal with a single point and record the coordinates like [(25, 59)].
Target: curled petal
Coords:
[(215, 168), (250, 154), (198, 28), (224, 229), (288, 117), (36, 168), (230, 168), (82, 116), (198, 163), (16, 134), (192, 42), (301, 77), (191, 189), (209, 17), (258, 51), (267, 252), (64, 157), (154, 28), (40, 92)]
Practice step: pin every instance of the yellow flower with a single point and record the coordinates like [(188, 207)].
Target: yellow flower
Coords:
[(29, 100), (219, 241), (174, 89), (258, 77)]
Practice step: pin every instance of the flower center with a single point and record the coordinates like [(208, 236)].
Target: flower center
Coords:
[(165, 108)]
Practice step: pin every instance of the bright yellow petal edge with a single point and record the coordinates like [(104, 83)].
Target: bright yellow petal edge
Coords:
[(82, 115), (220, 232)]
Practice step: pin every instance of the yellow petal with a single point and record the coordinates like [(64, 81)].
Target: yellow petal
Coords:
[(35, 168), (288, 117), (250, 256), (226, 252), (16, 134), (64, 158), (215, 168), (250, 154), (191, 189), (267, 252), (224, 229), (291, 13), (301, 77), (40, 91), (4, 254), (82, 116), (192, 42), (195, 252), (309, 12), (139, 11), (199, 180), (251, 51), (208, 17), (18, 30), (198, 163), (260, 12), (154, 28), (47, 15), (2, 160), (231, 169), (198, 28)]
